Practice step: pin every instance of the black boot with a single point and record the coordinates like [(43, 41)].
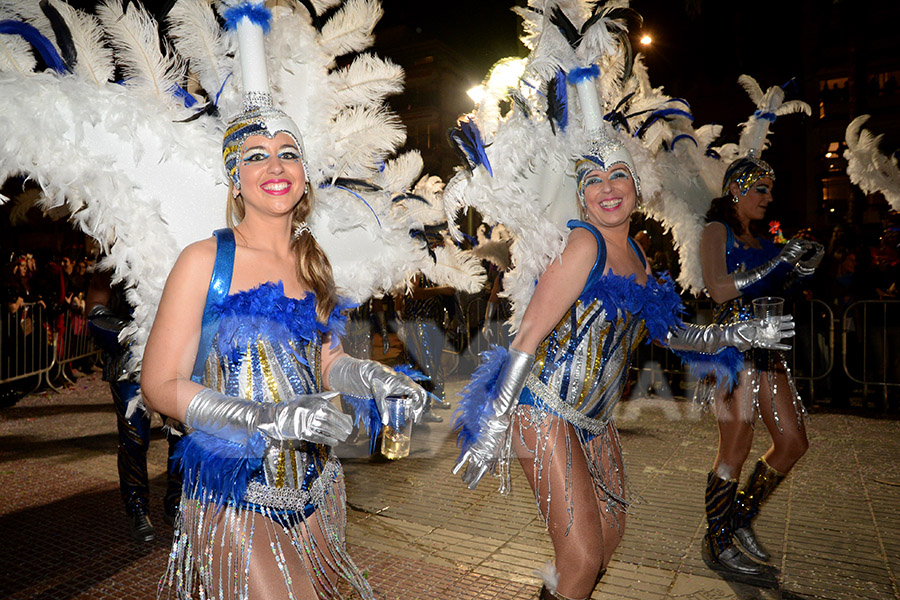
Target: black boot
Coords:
[(719, 551), (141, 528), (761, 484)]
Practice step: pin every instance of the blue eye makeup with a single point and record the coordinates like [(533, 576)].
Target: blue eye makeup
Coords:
[(289, 153), (592, 181), (762, 189), (254, 155), (618, 175)]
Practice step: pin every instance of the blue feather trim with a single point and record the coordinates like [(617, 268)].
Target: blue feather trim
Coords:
[(242, 316), (766, 116), (580, 74), (471, 143), (725, 365), (683, 136), (656, 303), (366, 416), (38, 41), (256, 13), (220, 466), (411, 372), (477, 398)]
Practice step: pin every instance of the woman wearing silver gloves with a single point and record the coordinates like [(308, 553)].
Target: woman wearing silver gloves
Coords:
[(550, 399), (738, 267), (245, 351)]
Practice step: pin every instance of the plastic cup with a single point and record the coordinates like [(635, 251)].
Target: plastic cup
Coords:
[(395, 437), (769, 310)]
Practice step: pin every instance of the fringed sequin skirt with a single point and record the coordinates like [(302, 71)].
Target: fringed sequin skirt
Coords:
[(223, 551), (750, 382), (554, 440)]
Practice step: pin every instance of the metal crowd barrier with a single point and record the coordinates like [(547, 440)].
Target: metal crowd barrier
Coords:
[(870, 344), (35, 345)]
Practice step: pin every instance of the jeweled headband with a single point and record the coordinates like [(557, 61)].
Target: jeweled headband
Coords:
[(602, 154), (745, 172), (259, 117)]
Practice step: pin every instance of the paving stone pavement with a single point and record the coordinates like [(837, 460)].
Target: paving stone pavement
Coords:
[(833, 527)]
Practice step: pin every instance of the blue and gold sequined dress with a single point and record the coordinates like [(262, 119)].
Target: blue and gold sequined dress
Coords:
[(581, 369), (730, 364), (252, 503)]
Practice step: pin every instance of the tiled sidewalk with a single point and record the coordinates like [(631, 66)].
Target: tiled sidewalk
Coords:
[(833, 526)]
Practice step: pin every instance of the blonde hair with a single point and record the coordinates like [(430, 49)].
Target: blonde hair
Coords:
[(313, 267)]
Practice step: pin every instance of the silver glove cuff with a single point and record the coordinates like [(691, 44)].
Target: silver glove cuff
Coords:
[(347, 376), (512, 380), (222, 416), (707, 339), (744, 279)]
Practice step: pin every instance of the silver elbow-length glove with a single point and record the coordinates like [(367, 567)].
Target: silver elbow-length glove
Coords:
[(484, 454), (309, 417), (792, 252), (807, 267), (368, 378), (743, 335)]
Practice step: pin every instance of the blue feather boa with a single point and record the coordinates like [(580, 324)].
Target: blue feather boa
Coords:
[(219, 466), (724, 365), (256, 13), (265, 308), (656, 303), (477, 398)]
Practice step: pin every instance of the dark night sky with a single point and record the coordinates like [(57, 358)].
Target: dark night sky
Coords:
[(697, 57)]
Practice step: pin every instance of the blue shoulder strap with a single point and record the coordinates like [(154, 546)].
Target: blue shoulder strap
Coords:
[(637, 250), (600, 262), (729, 242), (219, 284)]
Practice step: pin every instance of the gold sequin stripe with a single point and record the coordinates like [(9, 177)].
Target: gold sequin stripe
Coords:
[(272, 387)]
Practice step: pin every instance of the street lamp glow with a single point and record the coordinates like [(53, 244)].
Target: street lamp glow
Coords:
[(646, 40), (505, 74)]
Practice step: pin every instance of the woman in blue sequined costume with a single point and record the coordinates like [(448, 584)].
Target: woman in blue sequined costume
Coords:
[(244, 350), (738, 266), (549, 401)]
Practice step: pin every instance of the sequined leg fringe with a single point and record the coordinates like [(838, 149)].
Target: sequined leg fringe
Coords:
[(609, 482), (214, 544)]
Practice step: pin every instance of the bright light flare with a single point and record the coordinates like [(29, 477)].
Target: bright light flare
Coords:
[(505, 74), (476, 93), (646, 40)]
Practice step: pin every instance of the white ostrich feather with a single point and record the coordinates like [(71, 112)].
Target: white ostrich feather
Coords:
[(752, 88), (197, 38), (350, 28), (399, 173), (364, 137), (95, 59), (133, 35), (322, 5), (867, 166), (15, 54), (367, 80), (456, 268), (494, 251)]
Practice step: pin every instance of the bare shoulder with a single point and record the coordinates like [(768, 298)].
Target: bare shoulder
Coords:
[(715, 232), (195, 263), (582, 243)]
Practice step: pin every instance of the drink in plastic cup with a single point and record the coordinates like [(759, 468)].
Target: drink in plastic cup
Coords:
[(395, 436), (769, 309)]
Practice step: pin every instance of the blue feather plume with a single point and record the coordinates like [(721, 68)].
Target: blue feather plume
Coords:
[(725, 365), (218, 465), (467, 139), (580, 74), (37, 40), (558, 101), (682, 136), (256, 12), (477, 398)]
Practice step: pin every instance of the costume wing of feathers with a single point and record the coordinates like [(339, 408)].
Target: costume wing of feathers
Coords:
[(867, 166), (138, 163)]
